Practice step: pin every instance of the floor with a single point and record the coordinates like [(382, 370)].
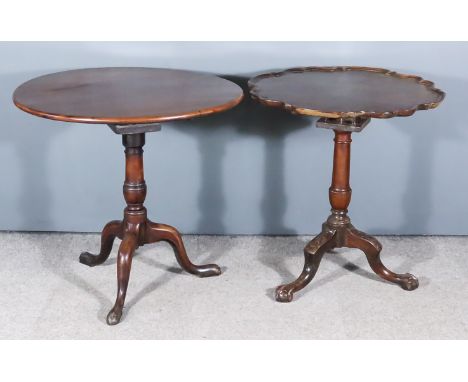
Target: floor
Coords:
[(47, 294)]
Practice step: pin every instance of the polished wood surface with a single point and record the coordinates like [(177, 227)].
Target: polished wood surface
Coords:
[(126, 95), (338, 231), (136, 229), (132, 101), (345, 92)]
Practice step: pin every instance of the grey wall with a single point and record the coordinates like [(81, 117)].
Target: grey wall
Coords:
[(250, 170)]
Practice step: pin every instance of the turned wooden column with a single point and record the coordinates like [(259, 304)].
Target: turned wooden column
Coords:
[(339, 192), (134, 188)]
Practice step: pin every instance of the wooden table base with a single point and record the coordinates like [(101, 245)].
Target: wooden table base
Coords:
[(338, 231), (136, 230)]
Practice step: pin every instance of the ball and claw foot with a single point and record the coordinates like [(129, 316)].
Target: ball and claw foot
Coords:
[(409, 282), (284, 294), (114, 316)]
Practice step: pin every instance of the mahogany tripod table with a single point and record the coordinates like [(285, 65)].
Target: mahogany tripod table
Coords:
[(132, 101), (346, 98)]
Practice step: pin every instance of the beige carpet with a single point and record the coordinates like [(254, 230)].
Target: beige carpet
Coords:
[(45, 293)]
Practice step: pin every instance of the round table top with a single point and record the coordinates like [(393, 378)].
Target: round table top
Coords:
[(345, 92), (126, 95)]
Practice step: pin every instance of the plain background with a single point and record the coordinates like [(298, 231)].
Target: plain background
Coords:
[(252, 170)]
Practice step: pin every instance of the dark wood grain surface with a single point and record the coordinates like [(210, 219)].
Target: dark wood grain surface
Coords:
[(345, 92), (126, 95)]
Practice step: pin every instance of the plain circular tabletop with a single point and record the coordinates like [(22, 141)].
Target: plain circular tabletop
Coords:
[(345, 92), (126, 95)]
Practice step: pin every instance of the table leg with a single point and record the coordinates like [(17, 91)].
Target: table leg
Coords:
[(111, 230), (371, 248), (163, 232), (313, 253), (124, 263)]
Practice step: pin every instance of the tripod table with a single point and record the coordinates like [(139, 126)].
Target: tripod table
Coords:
[(345, 99), (132, 101)]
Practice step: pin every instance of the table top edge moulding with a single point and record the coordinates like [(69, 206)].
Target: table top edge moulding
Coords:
[(256, 93), (48, 84)]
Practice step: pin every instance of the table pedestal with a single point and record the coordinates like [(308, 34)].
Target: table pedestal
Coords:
[(136, 229), (338, 231)]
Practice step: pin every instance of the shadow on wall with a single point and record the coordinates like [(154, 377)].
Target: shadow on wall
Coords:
[(27, 141), (434, 128), (247, 119), (270, 125), (426, 131)]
